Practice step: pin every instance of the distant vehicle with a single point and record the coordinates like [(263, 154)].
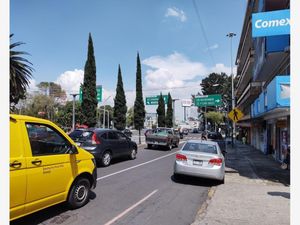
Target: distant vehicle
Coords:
[(45, 169), (201, 159), (106, 144), (161, 136), (127, 132), (217, 137), (195, 130)]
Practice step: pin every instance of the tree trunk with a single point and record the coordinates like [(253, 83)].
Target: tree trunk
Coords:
[(140, 136)]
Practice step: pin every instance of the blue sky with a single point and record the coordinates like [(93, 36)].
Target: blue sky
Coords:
[(167, 34)]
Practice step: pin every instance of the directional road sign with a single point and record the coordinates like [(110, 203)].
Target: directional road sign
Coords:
[(208, 100), (99, 93), (235, 115), (153, 100)]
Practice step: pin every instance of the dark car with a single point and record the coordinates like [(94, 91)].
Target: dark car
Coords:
[(75, 134), (107, 144), (217, 137), (195, 130)]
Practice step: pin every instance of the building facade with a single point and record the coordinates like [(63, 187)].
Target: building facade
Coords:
[(263, 88)]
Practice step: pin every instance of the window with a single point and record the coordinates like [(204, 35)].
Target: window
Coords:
[(199, 147), (122, 136), (104, 136), (113, 136), (46, 140)]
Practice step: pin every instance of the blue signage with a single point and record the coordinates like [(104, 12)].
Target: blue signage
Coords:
[(271, 23)]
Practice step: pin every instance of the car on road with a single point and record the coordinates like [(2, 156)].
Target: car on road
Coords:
[(217, 137), (201, 159), (75, 134), (106, 144), (44, 167), (161, 136)]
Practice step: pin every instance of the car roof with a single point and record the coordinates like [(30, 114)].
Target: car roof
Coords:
[(202, 141)]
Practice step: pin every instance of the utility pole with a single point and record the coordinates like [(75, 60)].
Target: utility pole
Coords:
[(73, 120), (104, 111), (231, 35), (173, 100)]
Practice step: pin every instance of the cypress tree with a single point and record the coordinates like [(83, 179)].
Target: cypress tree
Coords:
[(120, 107), (139, 106), (161, 112), (169, 116), (89, 92)]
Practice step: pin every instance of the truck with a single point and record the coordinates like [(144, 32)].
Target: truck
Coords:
[(161, 136)]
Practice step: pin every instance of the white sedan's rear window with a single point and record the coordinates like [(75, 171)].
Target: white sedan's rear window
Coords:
[(200, 147)]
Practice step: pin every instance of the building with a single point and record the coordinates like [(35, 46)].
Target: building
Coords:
[(263, 89)]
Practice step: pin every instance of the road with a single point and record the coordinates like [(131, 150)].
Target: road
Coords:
[(135, 192)]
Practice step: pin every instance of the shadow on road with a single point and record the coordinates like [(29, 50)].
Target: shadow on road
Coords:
[(278, 193), (53, 212), (195, 181)]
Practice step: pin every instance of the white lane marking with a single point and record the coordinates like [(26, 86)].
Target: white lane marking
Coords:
[(130, 208), (129, 168)]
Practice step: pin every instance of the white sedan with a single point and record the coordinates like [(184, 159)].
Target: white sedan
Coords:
[(200, 158)]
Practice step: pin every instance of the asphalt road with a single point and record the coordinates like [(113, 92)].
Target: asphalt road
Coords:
[(134, 192)]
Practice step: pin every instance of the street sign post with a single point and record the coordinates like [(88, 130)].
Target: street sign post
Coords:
[(208, 100), (99, 93), (153, 100), (235, 115)]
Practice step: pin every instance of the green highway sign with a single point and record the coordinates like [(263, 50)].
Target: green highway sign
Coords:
[(99, 93), (153, 100), (208, 100)]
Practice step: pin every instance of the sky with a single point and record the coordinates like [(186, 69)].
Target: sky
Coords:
[(179, 42)]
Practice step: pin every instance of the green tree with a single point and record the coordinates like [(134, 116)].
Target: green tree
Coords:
[(139, 106), (89, 93), (20, 73), (65, 114), (169, 116), (215, 117), (52, 89), (120, 107), (129, 117), (161, 112)]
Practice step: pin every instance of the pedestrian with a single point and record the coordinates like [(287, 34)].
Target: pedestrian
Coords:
[(284, 155), (244, 140), (287, 161)]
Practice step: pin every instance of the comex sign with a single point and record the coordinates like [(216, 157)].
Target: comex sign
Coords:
[(271, 23)]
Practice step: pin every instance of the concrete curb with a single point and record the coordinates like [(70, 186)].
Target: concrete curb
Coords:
[(202, 210)]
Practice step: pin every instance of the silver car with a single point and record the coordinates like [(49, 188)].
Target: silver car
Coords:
[(202, 159)]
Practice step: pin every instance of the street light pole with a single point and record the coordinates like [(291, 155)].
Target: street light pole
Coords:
[(231, 35), (73, 120), (104, 110), (173, 100)]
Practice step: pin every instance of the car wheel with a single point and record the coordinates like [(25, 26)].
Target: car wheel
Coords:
[(79, 193), (106, 158), (133, 154), (149, 146)]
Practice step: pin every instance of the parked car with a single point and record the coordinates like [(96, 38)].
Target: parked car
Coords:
[(106, 144), (44, 168), (161, 136), (217, 137), (127, 132), (201, 159), (75, 134)]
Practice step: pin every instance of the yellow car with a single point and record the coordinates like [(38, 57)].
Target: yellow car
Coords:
[(46, 167)]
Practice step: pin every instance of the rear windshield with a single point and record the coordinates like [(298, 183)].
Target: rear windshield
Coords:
[(200, 147), (75, 134), (85, 136)]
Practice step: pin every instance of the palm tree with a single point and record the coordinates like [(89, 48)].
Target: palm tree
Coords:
[(20, 73)]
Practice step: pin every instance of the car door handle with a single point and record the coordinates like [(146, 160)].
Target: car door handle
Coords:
[(15, 164), (36, 162)]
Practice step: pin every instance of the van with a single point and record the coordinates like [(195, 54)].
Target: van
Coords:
[(46, 167)]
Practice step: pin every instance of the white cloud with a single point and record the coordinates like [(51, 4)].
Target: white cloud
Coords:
[(215, 46), (32, 86), (70, 81), (174, 12)]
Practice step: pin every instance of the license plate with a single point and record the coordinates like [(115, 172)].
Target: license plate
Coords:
[(198, 162)]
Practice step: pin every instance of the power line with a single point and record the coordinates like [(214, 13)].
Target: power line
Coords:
[(203, 31)]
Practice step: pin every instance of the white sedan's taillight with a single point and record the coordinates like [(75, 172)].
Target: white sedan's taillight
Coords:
[(217, 161)]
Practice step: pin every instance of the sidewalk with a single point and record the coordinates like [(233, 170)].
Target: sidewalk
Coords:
[(256, 191)]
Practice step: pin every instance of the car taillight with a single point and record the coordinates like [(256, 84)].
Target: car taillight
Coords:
[(95, 140), (217, 161), (181, 157)]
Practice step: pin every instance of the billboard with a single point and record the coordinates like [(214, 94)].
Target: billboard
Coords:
[(186, 102), (271, 23)]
